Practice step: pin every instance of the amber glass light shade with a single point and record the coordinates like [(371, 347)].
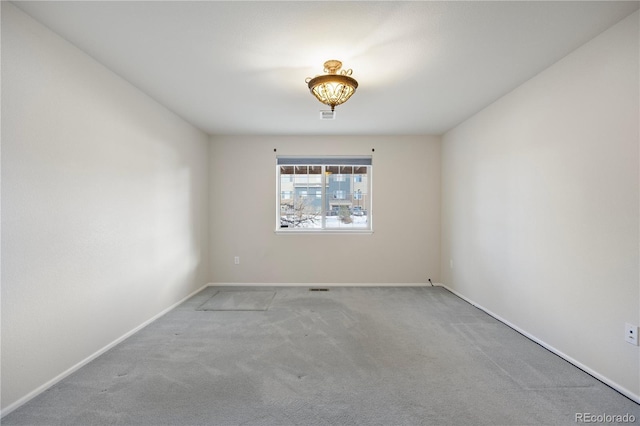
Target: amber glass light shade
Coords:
[(333, 88)]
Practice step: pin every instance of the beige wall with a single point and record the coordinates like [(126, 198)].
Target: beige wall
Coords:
[(104, 207), (404, 247), (540, 206)]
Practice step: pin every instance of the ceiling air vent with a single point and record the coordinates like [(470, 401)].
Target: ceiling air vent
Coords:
[(327, 115)]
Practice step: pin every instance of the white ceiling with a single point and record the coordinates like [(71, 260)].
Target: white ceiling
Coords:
[(239, 67)]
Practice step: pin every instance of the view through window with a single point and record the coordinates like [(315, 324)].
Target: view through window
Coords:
[(324, 193)]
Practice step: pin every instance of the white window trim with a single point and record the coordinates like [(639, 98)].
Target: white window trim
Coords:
[(323, 230)]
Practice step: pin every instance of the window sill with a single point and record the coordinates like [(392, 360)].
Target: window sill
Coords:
[(323, 231)]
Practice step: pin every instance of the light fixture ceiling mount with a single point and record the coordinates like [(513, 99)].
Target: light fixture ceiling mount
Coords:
[(333, 88)]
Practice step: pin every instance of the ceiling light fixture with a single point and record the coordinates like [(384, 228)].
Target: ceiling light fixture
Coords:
[(332, 88)]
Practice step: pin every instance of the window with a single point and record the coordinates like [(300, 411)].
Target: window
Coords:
[(324, 194), (286, 195)]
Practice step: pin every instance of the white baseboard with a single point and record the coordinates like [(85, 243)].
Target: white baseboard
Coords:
[(47, 385), (624, 391), (319, 285)]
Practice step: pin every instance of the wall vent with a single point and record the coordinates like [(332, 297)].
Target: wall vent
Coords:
[(327, 115), (318, 289)]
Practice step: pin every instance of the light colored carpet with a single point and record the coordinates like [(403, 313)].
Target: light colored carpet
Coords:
[(349, 356)]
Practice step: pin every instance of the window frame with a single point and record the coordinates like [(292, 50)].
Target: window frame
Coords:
[(324, 162)]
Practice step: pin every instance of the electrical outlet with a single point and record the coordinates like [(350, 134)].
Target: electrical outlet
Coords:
[(236, 260), (631, 334), (450, 263)]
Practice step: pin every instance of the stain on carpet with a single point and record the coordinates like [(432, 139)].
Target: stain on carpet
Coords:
[(238, 301)]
